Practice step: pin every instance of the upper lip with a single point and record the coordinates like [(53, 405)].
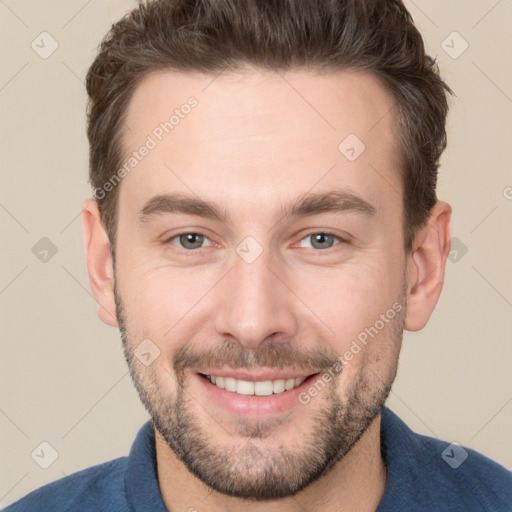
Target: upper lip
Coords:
[(257, 376)]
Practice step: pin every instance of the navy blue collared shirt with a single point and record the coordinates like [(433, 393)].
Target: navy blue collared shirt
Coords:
[(423, 474)]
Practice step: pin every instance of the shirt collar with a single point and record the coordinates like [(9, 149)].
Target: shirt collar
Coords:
[(407, 461), (141, 477)]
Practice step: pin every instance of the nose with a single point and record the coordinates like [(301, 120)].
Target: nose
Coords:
[(255, 303)]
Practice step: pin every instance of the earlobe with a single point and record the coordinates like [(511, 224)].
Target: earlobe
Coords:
[(426, 267), (99, 262)]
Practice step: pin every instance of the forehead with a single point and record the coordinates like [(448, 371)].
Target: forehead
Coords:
[(251, 136)]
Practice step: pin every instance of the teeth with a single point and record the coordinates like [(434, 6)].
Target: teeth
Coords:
[(244, 387), (279, 386), (262, 388), (230, 384)]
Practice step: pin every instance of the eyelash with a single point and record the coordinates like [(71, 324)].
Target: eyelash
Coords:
[(192, 251)]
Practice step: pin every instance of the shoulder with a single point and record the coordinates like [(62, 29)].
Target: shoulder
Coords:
[(486, 482), (433, 474), (92, 489)]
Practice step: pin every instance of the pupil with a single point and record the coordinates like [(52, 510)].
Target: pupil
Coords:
[(320, 238), (191, 239)]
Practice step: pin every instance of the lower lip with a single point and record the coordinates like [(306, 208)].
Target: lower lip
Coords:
[(253, 405)]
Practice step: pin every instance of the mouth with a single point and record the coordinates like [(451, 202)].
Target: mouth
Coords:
[(253, 395), (256, 387)]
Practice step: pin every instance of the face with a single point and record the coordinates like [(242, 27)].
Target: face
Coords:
[(251, 248)]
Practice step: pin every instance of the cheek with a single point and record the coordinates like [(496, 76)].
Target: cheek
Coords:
[(350, 298), (338, 302), (157, 299)]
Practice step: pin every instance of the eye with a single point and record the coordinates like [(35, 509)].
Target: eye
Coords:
[(323, 240), (193, 241), (189, 241)]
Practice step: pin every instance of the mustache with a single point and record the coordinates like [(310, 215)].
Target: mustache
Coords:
[(282, 355)]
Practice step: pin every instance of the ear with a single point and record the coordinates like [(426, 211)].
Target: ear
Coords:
[(426, 267), (99, 262)]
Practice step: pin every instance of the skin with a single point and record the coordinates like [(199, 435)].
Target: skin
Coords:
[(252, 144)]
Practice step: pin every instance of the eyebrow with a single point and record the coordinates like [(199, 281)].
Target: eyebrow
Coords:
[(333, 201)]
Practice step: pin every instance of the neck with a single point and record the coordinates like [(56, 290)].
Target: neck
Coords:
[(356, 482)]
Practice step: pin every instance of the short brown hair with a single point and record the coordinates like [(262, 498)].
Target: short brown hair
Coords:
[(377, 36)]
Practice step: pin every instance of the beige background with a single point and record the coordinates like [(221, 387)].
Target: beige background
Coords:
[(63, 376)]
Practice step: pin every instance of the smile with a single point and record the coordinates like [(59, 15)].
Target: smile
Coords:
[(258, 388)]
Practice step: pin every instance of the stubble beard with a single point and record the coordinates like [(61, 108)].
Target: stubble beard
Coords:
[(247, 468)]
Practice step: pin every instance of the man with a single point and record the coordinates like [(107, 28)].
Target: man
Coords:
[(264, 227)]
